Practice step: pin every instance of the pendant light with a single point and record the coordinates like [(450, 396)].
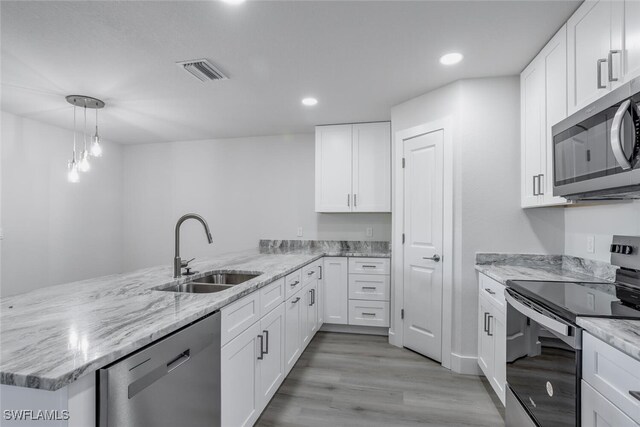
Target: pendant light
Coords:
[(72, 165), (96, 148), (84, 164), (81, 163)]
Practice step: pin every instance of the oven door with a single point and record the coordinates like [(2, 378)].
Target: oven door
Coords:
[(543, 364), (597, 150)]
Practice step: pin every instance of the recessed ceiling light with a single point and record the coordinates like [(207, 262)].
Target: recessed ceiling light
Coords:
[(309, 102), (451, 58), (234, 1)]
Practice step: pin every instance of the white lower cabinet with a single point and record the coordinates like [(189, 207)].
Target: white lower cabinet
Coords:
[(271, 367), (239, 379), (597, 411), (336, 289), (293, 331), (492, 334)]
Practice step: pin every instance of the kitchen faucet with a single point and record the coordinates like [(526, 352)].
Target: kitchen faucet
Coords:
[(177, 262)]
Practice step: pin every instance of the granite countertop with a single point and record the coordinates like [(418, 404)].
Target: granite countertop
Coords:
[(52, 336), (557, 268), (619, 333)]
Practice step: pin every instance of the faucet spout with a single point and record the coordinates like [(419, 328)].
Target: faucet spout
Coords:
[(177, 262)]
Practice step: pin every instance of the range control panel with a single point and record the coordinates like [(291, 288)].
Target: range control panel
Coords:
[(625, 252)]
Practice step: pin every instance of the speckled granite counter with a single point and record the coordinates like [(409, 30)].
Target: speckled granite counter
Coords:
[(503, 267), (618, 333), (52, 336)]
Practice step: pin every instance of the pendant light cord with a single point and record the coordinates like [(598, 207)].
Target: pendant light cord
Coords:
[(74, 133), (84, 132)]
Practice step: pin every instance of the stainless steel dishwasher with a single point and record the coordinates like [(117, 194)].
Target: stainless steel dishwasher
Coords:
[(172, 382)]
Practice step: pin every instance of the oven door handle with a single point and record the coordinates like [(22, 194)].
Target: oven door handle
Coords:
[(535, 315)]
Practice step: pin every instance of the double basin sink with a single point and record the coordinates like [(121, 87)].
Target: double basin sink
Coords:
[(213, 282)]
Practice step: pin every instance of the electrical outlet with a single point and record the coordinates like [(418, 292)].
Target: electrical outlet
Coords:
[(299, 232), (369, 231), (591, 244)]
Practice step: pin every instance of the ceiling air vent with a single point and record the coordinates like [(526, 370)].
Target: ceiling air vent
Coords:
[(202, 69)]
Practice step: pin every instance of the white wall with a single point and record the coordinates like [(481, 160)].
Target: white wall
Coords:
[(487, 213), (55, 231), (246, 189), (601, 221)]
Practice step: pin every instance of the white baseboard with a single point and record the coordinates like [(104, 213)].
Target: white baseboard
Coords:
[(465, 364), (353, 329), (394, 339)]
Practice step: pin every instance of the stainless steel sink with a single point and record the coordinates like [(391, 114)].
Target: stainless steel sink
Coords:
[(214, 282)]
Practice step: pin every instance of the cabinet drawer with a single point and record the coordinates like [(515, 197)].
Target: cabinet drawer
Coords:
[(238, 316), (271, 296), (612, 373), (310, 272), (369, 266), (368, 313), (492, 289), (292, 283), (374, 287), (597, 411)]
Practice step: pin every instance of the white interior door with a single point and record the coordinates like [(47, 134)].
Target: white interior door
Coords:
[(423, 227)]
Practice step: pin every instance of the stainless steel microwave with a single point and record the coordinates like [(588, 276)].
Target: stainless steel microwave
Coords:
[(596, 151)]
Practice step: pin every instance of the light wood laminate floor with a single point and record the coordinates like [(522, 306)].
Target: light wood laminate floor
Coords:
[(361, 380)]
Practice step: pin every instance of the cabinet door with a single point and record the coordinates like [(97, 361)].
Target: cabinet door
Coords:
[(589, 36), (485, 341), (632, 39), (532, 81), (498, 329), (320, 296), (333, 168), (312, 310), (305, 306), (292, 332), (271, 366), (372, 167), (596, 411), (555, 66), (239, 374), (336, 288)]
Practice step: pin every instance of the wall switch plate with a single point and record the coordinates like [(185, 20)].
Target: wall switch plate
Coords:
[(299, 232), (369, 232), (591, 244)]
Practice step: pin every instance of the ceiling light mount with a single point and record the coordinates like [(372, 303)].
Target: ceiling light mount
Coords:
[(451, 58), (83, 101), (309, 101)]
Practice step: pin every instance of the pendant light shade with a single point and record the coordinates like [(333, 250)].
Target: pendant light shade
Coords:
[(81, 163)]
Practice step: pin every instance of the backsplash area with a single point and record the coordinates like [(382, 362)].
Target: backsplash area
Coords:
[(329, 246)]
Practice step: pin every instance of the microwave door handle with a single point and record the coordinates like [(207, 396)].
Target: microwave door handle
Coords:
[(538, 317), (616, 138)]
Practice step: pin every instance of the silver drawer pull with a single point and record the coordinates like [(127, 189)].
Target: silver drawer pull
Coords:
[(369, 287), (368, 266), (295, 283), (310, 273), (369, 314), (635, 394), (490, 291), (295, 300)]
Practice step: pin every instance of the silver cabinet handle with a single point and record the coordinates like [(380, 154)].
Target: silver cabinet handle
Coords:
[(616, 140), (490, 291), (310, 297), (310, 273), (348, 200), (369, 314), (295, 300), (368, 266), (485, 321), (540, 190), (355, 199), (489, 326), (293, 285), (610, 65), (435, 258), (261, 356), (319, 272), (635, 394), (313, 297), (534, 185), (266, 346), (369, 287), (599, 74)]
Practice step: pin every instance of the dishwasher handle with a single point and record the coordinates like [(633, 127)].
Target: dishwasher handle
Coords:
[(179, 360)]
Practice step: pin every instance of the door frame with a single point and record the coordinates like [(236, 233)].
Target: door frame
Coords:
[(397, 254)]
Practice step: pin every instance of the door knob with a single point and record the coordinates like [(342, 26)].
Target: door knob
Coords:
[(435, 258)]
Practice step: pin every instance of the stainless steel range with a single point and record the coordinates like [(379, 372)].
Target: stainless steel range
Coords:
[(544, 348)]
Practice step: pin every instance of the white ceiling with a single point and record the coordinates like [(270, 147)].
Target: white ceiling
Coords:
[(358, 58)]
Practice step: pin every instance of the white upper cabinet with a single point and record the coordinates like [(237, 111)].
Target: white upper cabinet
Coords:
[(372, 167), (543, 98), (353, 168), (631, 39), (595, 50), (333, 168)]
